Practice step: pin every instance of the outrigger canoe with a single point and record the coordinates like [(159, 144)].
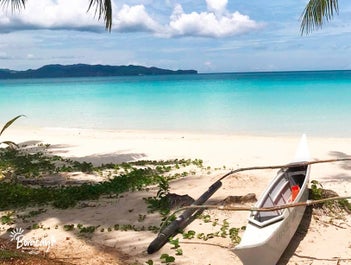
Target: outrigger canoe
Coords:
[(268, 234)]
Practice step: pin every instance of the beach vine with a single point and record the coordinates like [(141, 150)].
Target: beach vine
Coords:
[(21, 172)]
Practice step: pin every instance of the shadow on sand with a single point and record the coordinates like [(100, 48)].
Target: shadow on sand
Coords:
[(117, 157), (85, 212), (299, 235), (115, 214)]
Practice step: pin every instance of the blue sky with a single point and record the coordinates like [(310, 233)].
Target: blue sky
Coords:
[(206, 35)]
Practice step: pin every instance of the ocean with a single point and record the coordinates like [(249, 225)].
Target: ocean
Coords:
[(317, 103)]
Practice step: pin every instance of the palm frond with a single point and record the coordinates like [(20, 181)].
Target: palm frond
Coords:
[(14, 4), (10, 144), (8, 124), (316, 13), (103, 9)]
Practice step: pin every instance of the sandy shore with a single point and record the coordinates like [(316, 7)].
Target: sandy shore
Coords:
[(322, 242)]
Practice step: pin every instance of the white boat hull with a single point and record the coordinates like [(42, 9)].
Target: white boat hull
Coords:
[(262, 246), (268, 233)]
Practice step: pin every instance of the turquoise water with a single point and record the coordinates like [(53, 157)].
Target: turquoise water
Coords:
[(289, 103)]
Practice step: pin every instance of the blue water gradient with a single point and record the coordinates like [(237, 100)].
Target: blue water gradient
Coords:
[(279, 103)]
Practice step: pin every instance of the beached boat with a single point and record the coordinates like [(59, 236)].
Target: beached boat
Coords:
[(268, 234)]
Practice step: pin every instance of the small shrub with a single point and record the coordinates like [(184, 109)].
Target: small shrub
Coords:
[(69, 227), (7, 219), (316, 190), (165, 258)]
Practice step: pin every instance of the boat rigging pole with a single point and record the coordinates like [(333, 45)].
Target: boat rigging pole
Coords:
[(197, 206)]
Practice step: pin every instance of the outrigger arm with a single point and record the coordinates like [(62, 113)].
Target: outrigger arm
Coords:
[(195, 208)]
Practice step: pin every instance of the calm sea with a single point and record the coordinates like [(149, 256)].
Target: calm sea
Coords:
[(279, 103)]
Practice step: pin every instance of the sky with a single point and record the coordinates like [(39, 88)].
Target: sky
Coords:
[(205, 35)]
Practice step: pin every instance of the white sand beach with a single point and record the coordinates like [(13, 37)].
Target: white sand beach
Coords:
[(323, 240)]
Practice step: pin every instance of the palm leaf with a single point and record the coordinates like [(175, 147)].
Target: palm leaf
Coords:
[(15, 4), (8, 124), (316, 12), (10, 144), (103, 8)]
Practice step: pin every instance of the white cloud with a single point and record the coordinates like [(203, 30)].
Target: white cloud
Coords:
[(134, 18), (217, 6), (219, 23), (50, 14), (215, 22)]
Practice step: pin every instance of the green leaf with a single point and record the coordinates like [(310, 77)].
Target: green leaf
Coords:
[(167, 258), (103, 8), (174, 242), (179, 252), (189, 235), (316, 12)]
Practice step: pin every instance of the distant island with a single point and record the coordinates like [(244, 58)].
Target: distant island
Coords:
[(86, 70)]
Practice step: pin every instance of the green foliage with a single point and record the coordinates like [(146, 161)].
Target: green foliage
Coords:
[(24, 164), (174, 242), (179, 252), (86, 229), (316, 190), (165, 258), (36, 212), (234, 235), (224, 228), (36, 226), (316, 193), (224, 231), (21, 163), (316, 13), (7, 256), (130, 177), (32, 165), (122, 177), (198, 163), (69, 227), (345, 204), (19, 195), (7, 218), (189, 235), (31, 214), (206, 218), (159, 202)]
